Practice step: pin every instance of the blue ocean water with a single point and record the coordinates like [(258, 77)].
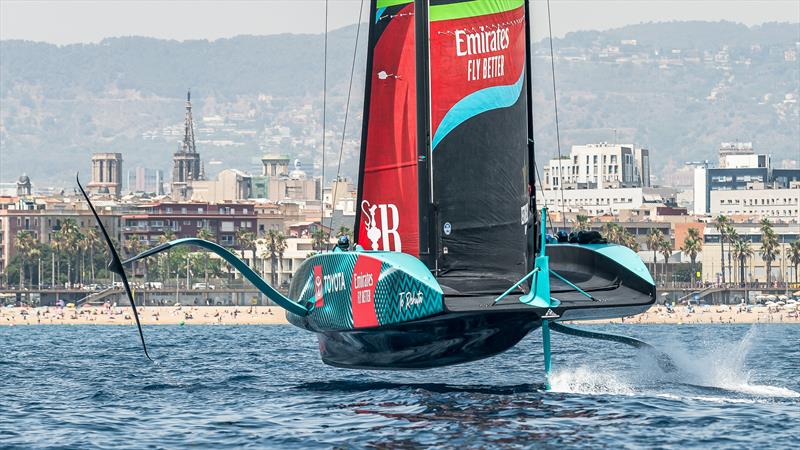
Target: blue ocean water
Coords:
[(265, 387)]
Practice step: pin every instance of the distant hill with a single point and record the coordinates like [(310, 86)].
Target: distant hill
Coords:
[(679, 88)]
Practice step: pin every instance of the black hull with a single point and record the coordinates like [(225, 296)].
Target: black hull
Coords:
[(446, 339)]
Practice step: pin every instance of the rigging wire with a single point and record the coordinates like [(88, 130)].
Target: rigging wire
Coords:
[(346, 113), (324, 109), (555, 107)]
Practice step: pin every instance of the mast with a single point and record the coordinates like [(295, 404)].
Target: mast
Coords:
[(365, 119), (428, 225), (532, 228)]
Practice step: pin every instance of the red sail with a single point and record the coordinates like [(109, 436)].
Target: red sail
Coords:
[(388, 216)]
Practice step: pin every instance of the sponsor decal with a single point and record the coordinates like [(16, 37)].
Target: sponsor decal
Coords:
[(334, 282), (479, 43), (410, 299), (362, 300), (381, 220), (447, 228), (318, 289), (477, 62)]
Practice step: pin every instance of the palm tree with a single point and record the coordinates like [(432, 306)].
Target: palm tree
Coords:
[(93, 239), (770, 247), (665, 247), (629, 240), (132, 247), (276, 246), (794, 256), (246, 241), (82, 246), (612, 232), (319, 239), (25, 245), (583, 222), (733, 236), (721, 223), (280, 247), (654, 238), (69, 234), (692, 245), (57, 246), (36, 253), (741, 251), (206, 235), (166, 236)]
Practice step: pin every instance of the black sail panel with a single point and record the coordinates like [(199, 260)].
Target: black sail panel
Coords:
[(479, 142)]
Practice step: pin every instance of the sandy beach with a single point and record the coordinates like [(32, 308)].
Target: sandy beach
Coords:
[(149, 315), (712, 314), (263, 315)]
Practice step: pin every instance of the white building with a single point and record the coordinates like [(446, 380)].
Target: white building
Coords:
[(297, 251), (602, 201), (759, 202), (745, 183), (599, 166)]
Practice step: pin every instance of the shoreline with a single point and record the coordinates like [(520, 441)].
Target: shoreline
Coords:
[(273, 315)]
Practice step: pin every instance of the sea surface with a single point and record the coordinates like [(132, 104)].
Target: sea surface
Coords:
[(734, 386)]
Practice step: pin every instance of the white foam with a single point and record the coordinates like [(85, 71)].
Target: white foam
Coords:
[(706, 365), (586, 380), (722, 366)]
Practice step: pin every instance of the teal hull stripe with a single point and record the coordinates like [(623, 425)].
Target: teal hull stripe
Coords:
[(478, 102)]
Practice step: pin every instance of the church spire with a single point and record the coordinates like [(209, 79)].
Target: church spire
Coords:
[(187, 166), (188, 125)]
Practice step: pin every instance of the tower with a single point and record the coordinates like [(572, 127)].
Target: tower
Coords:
[(106, 174), (186, 161), (24, 186), (275, 165)]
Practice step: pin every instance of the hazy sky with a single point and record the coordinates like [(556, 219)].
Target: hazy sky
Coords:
[(65, 22)]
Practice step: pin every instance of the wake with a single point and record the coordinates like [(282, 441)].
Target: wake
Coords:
[(705, 372)]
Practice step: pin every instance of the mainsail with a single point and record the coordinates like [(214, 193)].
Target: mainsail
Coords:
[(479, 124), (444, 162)]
